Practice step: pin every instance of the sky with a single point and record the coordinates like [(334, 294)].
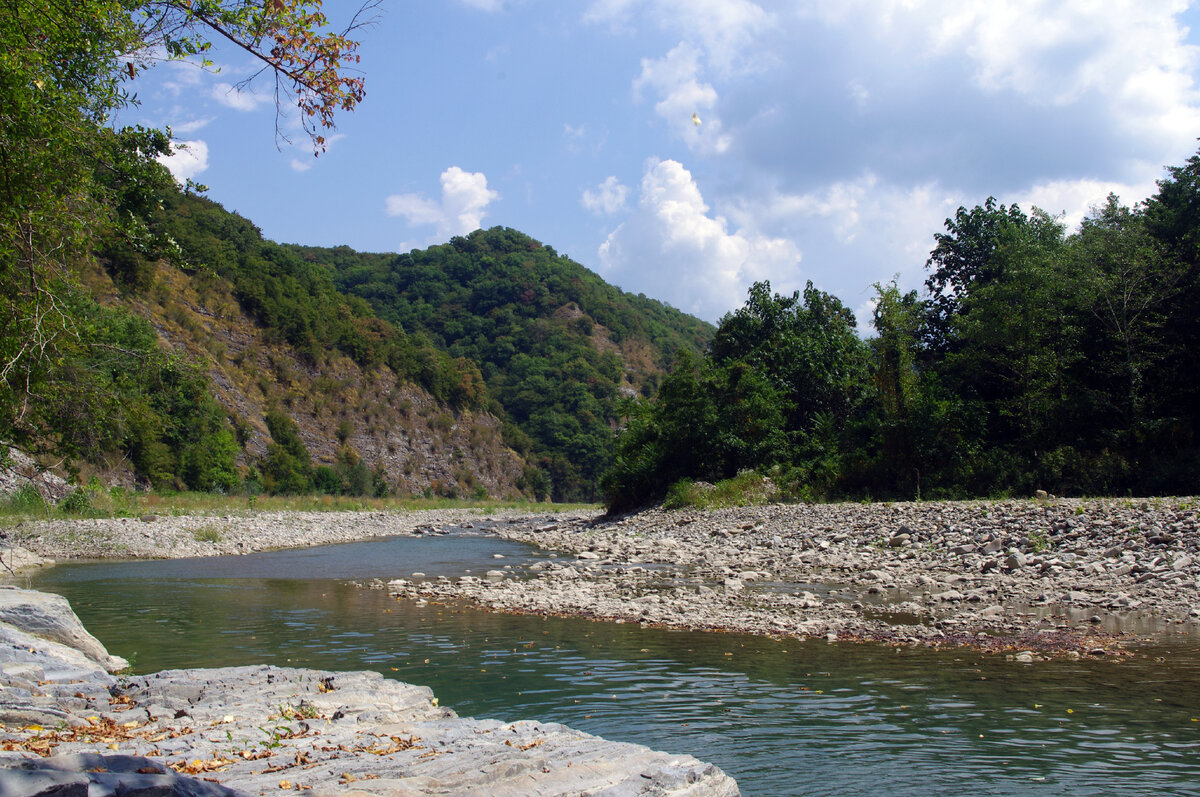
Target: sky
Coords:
[(685, 149)]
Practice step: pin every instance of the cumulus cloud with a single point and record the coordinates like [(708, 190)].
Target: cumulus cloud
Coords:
[(239, 99), (607, 198), (725, 29), (464, 201), (686, 104), (187, 159), (1074, 199), (673, 249)]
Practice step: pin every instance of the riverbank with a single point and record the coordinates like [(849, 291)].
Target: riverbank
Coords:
[(1065, 577), (186, 536), (1033, 577), (65, 723)]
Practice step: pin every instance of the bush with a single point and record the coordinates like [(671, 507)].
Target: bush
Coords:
[(77, 503)]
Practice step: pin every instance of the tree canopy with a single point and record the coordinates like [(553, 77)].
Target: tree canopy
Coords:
[(1035, 359)]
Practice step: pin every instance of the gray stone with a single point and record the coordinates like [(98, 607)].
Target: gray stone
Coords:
[(49, 617)]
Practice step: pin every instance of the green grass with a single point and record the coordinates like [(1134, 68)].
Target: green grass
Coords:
[(746, 489)]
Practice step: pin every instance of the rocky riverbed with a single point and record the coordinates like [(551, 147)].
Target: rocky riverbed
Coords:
[(69, 727), (1069, 577)]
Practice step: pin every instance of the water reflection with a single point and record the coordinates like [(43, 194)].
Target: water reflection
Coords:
[(781, 717)]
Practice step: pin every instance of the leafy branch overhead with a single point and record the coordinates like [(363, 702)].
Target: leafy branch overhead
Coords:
[(314, 66)]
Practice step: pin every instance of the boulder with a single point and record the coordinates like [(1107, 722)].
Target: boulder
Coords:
[(49, 617)]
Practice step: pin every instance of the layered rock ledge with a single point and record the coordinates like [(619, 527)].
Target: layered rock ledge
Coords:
[(68, 727), (1069, 576)]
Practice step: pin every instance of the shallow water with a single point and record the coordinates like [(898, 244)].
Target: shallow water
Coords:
[(782, 717)]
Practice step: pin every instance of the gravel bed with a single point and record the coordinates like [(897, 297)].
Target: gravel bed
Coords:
[(1070, 577)]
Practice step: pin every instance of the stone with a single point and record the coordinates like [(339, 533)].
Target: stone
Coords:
[(1014, 561), (49, 617)]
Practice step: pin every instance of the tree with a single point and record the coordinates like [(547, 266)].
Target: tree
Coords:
[(964, 258), (1127, 279), (309, 63), (70, 185)]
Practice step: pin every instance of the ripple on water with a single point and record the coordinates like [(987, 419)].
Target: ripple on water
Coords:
[(782, 717)]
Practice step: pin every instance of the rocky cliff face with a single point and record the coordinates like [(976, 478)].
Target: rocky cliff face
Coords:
[(422, 445), (67, 727)]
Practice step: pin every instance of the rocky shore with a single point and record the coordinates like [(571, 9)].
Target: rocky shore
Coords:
[(1069, 577), (185, 536), (69, 727)]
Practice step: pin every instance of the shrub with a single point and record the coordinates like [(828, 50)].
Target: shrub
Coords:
[(77, 503)]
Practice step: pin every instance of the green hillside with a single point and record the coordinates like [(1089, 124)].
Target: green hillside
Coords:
[(557, 346)]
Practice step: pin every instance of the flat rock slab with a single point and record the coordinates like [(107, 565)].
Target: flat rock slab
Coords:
[(263, 730)]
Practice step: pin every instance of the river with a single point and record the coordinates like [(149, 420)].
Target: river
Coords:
[(783, 717)]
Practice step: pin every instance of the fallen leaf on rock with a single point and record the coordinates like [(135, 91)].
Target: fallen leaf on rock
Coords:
[(197, 765), (255, 755)]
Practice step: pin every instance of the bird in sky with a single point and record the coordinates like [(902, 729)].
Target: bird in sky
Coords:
[(696, 120)]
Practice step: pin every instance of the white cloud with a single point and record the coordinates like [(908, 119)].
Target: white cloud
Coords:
[(725, 29), (187, 159), (671, 248), (1132, 53), (239, 99), (608, 197), (574, 136), (187, 128), (1074, 199), (684, 99), (464, 201), (854, 232)]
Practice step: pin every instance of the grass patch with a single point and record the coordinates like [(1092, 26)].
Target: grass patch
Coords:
[(745, 489), (207, 534)]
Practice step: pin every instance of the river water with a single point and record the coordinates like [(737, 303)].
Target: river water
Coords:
[(783, 717)]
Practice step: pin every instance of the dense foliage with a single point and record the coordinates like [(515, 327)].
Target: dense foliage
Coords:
[(556, 345), (1035, 359), (298, 303)]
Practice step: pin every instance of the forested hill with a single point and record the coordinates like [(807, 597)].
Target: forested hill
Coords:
[(557, 346)]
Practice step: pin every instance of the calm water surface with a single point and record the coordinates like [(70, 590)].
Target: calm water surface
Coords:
[(784, 718)]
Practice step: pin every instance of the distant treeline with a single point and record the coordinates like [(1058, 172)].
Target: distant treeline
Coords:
[(1033, 359)]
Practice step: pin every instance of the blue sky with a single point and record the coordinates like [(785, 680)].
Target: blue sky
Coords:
[(834, 136)]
